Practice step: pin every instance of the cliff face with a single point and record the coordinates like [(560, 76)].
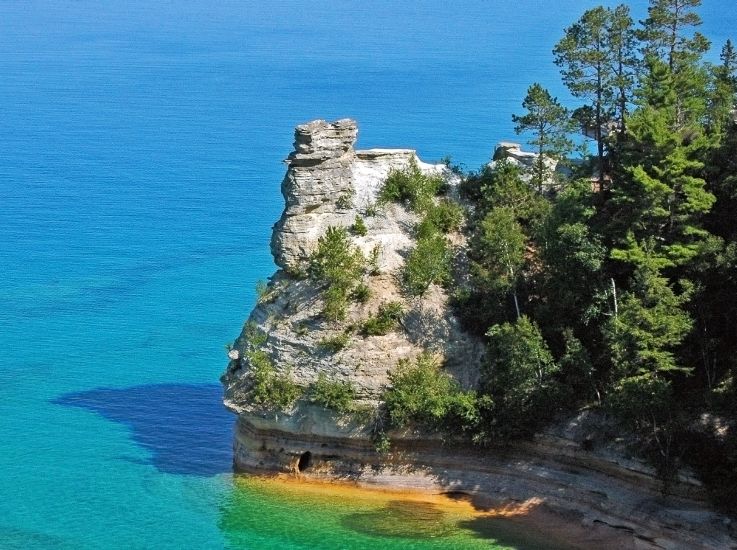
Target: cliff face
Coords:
[(328, 183)]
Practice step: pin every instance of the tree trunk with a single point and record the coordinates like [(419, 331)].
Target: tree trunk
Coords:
[(597, 132)]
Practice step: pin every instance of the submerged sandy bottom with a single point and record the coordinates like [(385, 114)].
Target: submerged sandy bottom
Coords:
[(320, 514)]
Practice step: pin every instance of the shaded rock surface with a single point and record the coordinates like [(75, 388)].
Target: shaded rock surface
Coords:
[(329, 183)]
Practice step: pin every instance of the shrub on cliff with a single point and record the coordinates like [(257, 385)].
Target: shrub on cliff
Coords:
[(339, 266), (333, 394), (423, 395), (359, 227), (428, 263), (270, 389), (411, 186), (335, 343), (445, 216), (386, 320)]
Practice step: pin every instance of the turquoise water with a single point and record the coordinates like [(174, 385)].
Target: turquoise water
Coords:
[(140, 160)]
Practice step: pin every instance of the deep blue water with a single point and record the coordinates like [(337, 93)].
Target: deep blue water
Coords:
[(140, 161)]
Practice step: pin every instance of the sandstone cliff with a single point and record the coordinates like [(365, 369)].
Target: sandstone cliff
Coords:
[(328, 183)]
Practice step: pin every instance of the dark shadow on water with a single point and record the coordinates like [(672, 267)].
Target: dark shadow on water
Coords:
[(426, 520), (184, 426), (514, 534)]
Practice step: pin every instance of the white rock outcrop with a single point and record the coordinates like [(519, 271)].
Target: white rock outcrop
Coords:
[(328, 183)]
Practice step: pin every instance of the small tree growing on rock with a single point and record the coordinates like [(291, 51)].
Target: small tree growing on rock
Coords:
[(339, 266)]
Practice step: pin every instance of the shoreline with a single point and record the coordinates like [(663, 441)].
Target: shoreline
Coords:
[(530, 519), (583, 498)]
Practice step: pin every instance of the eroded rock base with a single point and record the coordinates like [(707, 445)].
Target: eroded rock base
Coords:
[(601, 502)]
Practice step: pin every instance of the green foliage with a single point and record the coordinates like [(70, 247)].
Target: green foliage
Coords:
[(723, 91), (386, 320), (578, 370), (410, 186), (335, 303), (596, 56), (371, 210), (254, 336), (345, 201), (521, 380), (445, 216), (428, 263), (333, 394), (335, 343), (503, 186), (262, 290), (650, 324), (373, 261), (507, 215), (359, 227), (498, 249), (548, 122), (339, 266), (645, 404), (382, 443), (668, 35), (622, 43), (336, 260), (423, 395), (361, 293), (661, 196), (641, 399), (270, 389), (574, 256)]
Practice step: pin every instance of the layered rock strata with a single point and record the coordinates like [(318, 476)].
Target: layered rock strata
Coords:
[(328, 183)]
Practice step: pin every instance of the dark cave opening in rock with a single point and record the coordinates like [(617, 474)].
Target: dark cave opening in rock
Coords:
[(304, 461)]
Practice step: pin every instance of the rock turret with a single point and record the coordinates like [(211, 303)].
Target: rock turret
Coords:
[(329, 183)]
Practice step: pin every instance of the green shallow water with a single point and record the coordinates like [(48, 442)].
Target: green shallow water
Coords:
[(286, 514)]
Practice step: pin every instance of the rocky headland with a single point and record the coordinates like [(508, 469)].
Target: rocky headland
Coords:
[(607, 497)]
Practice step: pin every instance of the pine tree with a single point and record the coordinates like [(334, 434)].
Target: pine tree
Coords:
[(623, 62), (669, 36), (597, 60), (723, 91), (650, 324), (660, 200), (666, 33), (729, 63), (549, 123), (584, 57)]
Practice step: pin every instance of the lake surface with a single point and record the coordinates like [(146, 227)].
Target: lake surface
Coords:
[(140, 161)]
